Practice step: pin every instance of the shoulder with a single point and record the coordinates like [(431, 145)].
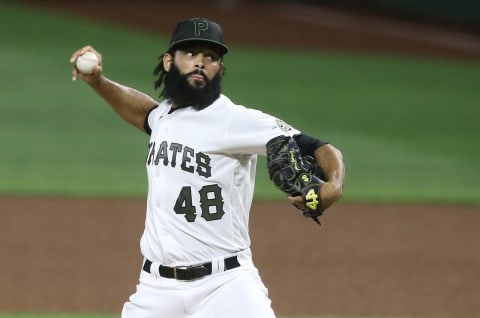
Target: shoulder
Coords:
[(155, 113), (161, 107), (225, 103), (252, 115), (255, 119)]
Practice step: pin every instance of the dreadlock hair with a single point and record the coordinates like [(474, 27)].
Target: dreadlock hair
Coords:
[(160, 72)]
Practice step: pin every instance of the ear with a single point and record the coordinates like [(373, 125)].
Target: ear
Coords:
[(222, 68), (167, 61)]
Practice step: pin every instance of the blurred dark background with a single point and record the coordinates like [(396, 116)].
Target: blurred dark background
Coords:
[(444, 28), (461, 14), (464, 14)]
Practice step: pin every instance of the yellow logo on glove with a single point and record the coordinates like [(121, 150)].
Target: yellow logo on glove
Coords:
[(312, 197), (294, 160)]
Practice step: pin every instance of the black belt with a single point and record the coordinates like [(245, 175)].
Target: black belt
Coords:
[(190, 272)]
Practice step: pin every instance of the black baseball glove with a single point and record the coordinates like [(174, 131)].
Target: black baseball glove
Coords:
[(295, 175)]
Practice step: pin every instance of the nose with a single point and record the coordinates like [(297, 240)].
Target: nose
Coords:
[(199, 61)]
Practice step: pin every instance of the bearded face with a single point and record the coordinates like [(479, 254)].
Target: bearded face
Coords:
[(191, 89)]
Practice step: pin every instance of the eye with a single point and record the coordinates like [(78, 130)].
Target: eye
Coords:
[(212, 56), (189, 52)]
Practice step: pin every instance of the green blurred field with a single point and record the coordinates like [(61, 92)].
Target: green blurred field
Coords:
[(408, 128)]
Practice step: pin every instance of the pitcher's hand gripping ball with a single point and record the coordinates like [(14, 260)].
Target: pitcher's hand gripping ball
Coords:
[(295, 176), (86, 63)]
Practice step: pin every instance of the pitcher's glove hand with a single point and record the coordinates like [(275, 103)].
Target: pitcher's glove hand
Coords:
[(295, 176)]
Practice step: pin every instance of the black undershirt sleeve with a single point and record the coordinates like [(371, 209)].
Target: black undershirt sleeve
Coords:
[(146, 126), (308, 144)]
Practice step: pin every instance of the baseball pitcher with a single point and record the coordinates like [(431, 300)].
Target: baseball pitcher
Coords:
[(201, 162)]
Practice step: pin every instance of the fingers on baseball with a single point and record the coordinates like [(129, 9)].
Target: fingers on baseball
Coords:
[(79, 52), (82, 51)]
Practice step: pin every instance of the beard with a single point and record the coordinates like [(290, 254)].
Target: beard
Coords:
[(182, 94)]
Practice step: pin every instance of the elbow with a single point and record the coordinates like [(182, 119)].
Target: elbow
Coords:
[(336, 192), (339, 193), (340, 176), (331, 192)]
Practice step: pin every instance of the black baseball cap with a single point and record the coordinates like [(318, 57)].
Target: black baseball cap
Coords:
[(198, 30)]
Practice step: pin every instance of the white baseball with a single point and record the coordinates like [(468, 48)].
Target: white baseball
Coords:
[(86, 62)]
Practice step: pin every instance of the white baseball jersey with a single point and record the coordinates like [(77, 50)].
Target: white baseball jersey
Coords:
[(201, 175)]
